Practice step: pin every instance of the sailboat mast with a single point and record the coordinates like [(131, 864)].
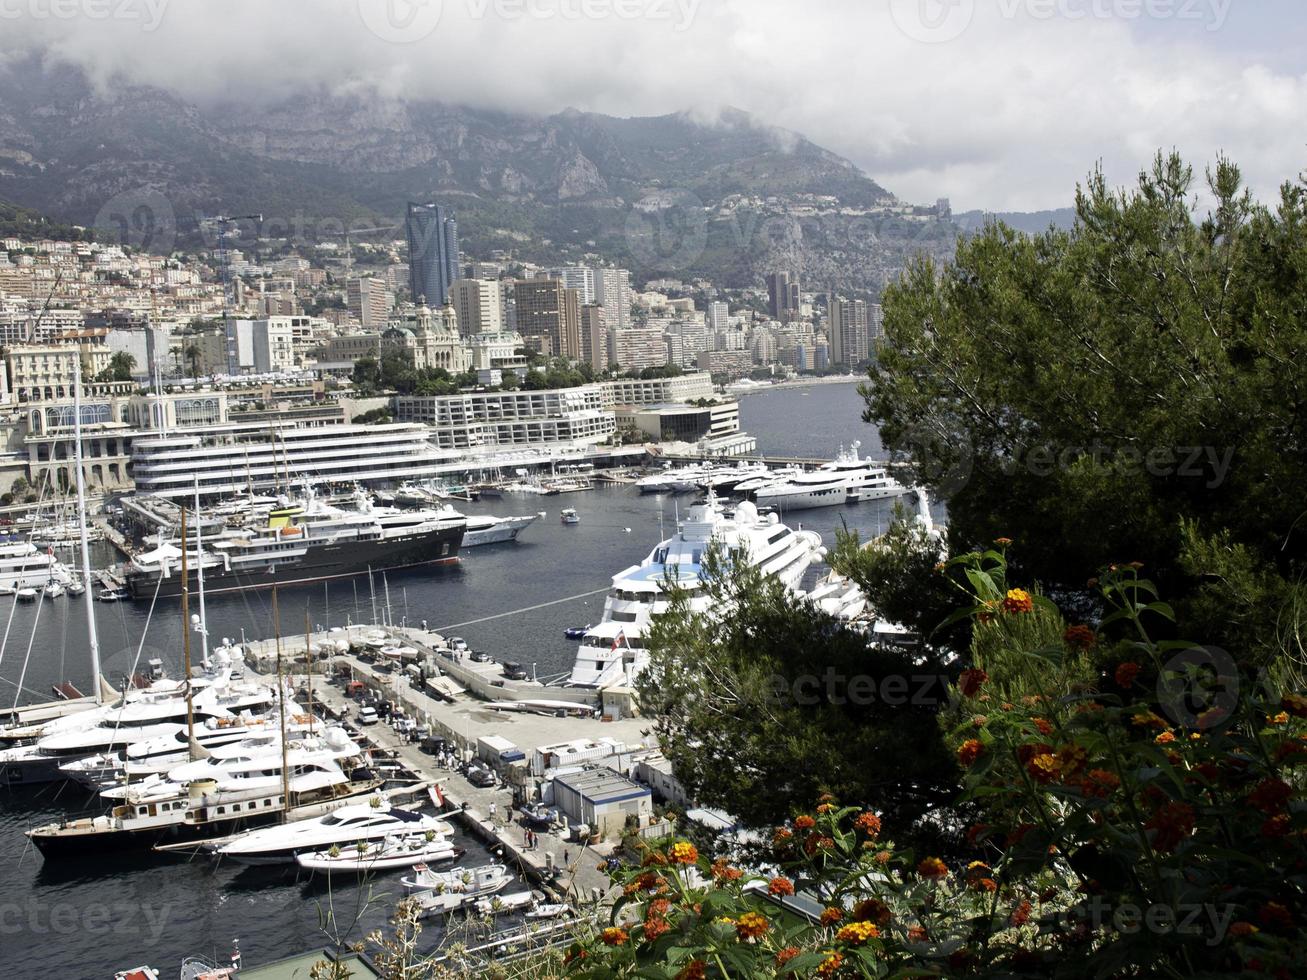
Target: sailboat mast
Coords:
[(92, 636), (199, 575), (186, 637), (281, 701), (308, 660)]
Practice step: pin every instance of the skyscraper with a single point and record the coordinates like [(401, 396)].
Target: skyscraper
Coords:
[(432, 253), (612, 289), (478, 305), (783, 296), (848, 331), (549, 316)]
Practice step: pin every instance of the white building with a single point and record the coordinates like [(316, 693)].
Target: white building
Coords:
[(719, 317), (478, 305), (657, 391), (260, 346), (566, 418), (580, 278), (612, 291)]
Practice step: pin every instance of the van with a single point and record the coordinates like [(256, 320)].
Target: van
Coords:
[(368, 716)]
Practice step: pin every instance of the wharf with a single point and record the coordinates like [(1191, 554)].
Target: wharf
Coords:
[(565, 868), (114, 536)]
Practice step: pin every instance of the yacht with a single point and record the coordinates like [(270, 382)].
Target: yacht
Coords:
[(301, 542), (614, 650), (678, 480), (345, 827), (24, 567), (846, 478), (448, 891), (483, 529)]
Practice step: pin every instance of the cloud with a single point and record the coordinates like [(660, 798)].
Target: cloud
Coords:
[(1003, 104)]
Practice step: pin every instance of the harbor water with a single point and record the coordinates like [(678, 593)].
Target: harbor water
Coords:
[(90, 918)]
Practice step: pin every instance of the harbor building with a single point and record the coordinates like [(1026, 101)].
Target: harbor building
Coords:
[(657, 391), (563, 418), (602, 800), (716, 427)]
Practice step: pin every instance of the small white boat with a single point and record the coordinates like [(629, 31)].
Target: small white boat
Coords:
[(501, 904), (75, 587), (449, 891), (54, 590), (388, 855), (107, 595), (549, 910), (26, 595), (139, 973), (570, 516)]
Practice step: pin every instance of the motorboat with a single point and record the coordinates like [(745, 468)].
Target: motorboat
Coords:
[(847, 477), (390, 854), (448, 891), (549, 910), (570, 516), (347, 826)]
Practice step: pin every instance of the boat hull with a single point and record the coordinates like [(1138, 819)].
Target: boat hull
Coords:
[(319, 564)]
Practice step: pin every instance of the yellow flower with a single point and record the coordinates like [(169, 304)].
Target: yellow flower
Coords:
[(683, 852), (857, 933), (1018, 601), (1277, 719)]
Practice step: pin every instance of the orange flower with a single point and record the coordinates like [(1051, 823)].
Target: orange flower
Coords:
[(781, 835), (694, 970), (1126, 673), (751, 925), (977, 876), (1172, 823), (614, 936), (872, 910), (868, 823), (654, 926), (969, 681), (969, 752), (780, 886), (1100, 783), (721, 871), (932, 868), (785, 955), (805, 822), (1071, 758), (830, 916), (1021, 914), (1148, 719), (1002, 542), (1018, 601), (1044, 725), (1042, 767), (830, 964), (1079, 637), (825, 808), (1164, 738), (683, 852), (917, 934), (857, 933), (1242, 930)]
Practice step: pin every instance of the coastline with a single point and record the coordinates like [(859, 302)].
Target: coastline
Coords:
[(841, 379)]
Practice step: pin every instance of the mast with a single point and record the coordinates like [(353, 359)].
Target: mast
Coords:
[(186, 641), (199, 574), (91, 634), (308, 660), (281, 701)]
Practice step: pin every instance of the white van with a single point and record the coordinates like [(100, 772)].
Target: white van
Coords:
[(368, 716)]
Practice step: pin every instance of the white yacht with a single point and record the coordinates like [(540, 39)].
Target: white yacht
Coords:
[(23, 566), (614, 650), (483, 529), (669, 480), (448, 891), (846, 478), (388, 854), (347, 826)]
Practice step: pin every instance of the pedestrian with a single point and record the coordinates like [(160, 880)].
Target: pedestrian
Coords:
[(492, 813), (565, 862)]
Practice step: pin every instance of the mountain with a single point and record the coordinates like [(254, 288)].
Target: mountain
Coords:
[(1031, 222), (726, 199)]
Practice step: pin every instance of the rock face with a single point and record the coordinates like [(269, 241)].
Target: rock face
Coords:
[(572, 179)]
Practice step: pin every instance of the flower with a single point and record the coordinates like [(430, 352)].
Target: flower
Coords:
[(751, 925), (654, 926), (868, 823), (683, 852), (1002, 542), (1164, 738), (1241, 930), (872, 910), (1042, 767), (1100, 783), (780, 887), (969, 681), (614, 936), (1276, 826), (1148, 719), (932, 868), (917, 934), (1273, 915), (1079, 637), (721, 871), (1270, 795), (969, 752), (1071, 758), (883, 857), (805, 822), (1279, 718), (830, 964), (1018, 601), (831, 915), (1021, 914), (781, 835), (857, 933), (1172, 823), (1295, 704), (1126, 673), (978, 878), (785, 955), (1044, 725), (694, 970)]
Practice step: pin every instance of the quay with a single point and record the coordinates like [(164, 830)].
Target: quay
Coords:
[(564, 868)]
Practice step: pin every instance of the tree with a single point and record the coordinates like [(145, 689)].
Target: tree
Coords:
[(766, 702), (193, 354), (1120, 391), (120, 367), (367, 374)]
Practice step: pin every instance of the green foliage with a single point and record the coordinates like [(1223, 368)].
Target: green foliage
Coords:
[(119, 369), (1055, 384), (373, 416), (767, 701)]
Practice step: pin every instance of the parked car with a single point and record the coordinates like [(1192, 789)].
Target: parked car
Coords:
[(368, 716), (458, 643), (514, 672), (433, 745), (480, 657)]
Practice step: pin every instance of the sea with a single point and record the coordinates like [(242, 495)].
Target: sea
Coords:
[(87, 919)]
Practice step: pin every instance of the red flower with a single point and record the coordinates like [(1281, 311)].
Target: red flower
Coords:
[(969, 681), (1126, 673), (805, 822), (654, 926), (1270, 795), (872, 910), (1021, 914), (969, 752), (868, 823), (1018, 601), (1079, 637), (933, 869), (694, 970), (1100, 783), (1172, 823), (831, 915), (785, 955), (1273, 915), (917, 934), (780, 886), (1044, 725)]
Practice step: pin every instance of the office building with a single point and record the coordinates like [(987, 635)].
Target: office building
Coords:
[(783, 296), (548, 317), (478, 306), (613, 292), (433, 263), (594, 336), (369, 301)]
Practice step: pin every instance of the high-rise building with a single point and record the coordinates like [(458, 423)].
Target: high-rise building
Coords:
[(637, 347), (548, 316), (478, 305), (847, 331), (580, 278), (783, 296), (875, 323), (594, 336), (432, 253), (719, 317), (369, 301), (613, 292), (260, 346)]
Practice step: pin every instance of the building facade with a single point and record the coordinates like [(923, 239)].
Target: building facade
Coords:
[(478, 306), (433, 262), (548, 316), (564, 418)]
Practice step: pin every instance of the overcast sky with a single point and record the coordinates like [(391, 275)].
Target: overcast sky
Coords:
[(1001, 104)]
